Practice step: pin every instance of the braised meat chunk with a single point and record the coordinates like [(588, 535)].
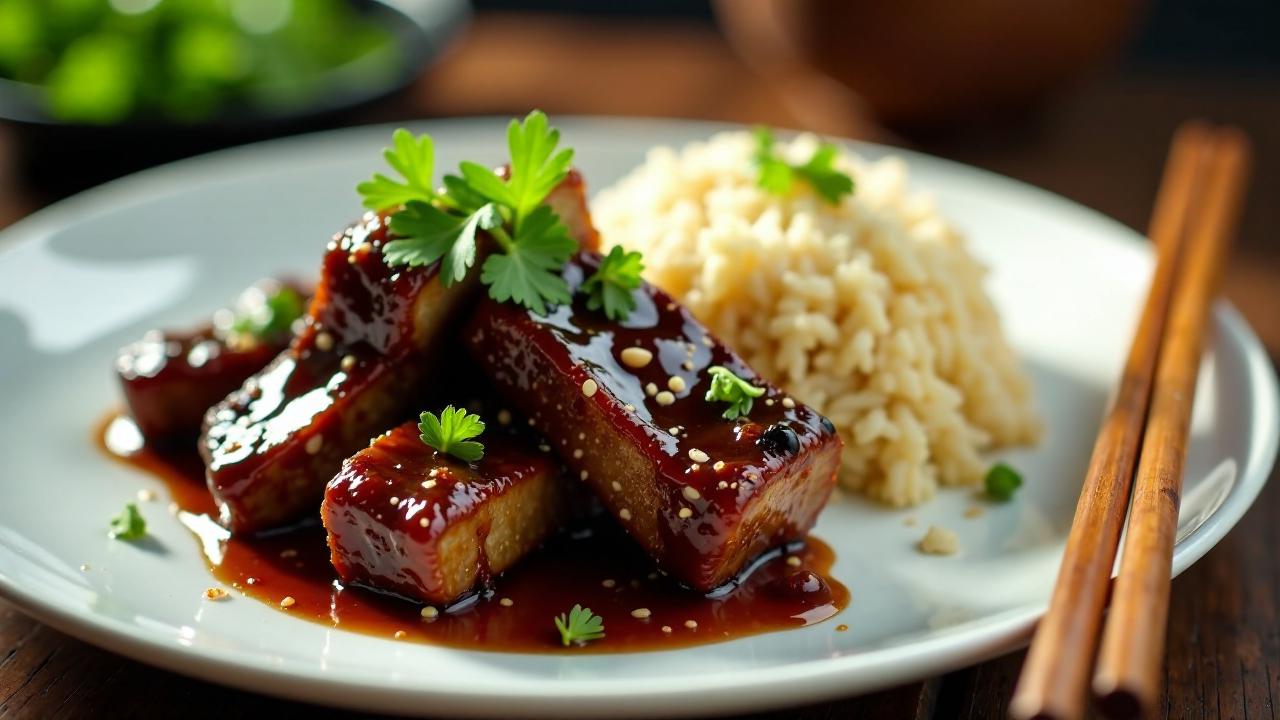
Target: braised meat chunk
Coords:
[(358, 367), (406, 519), (624, 406), (170, 378)]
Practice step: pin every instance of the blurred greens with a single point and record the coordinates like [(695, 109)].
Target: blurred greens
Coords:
[(105, 61)]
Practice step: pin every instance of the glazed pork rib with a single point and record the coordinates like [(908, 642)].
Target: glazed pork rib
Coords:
[(405, 519), (169, 379), (623, 404), (363, 363)]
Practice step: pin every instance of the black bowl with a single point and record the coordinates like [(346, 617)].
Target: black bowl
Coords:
[(58, 157)]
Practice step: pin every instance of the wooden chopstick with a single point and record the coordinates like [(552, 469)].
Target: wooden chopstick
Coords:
[(1054, 678), (1127, 681)]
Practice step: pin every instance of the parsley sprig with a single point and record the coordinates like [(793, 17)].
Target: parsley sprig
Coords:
[(129, 524), (580, 626), (610, 286), (729, 388), (271, 317), (777, 175), (451, 433), (442, 225)]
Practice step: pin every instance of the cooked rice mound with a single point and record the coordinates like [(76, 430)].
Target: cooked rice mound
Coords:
[(872, 311)]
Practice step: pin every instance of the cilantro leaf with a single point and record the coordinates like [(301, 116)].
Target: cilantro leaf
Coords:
[(580, 626), (1001, 482), (611, 284), (451, 433), (270, 317), (129, 524), (414, 160), (536, 168), (729, 388), (427, 234), (529, 271), (777, 176)]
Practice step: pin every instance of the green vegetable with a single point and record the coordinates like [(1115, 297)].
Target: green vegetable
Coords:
[(129, 524), (611, 285), (532, 244), (451, 433), (729, 388), (777, 175), (273, 317), (580, 626), (187, 60), (1001, 482)]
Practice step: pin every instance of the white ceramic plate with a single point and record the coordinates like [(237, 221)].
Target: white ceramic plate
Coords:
[(164, 247)]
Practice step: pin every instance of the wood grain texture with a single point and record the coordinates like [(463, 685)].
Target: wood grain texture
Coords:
[(1101, 145)]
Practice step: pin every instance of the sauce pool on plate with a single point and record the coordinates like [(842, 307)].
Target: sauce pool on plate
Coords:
[(595, 566)]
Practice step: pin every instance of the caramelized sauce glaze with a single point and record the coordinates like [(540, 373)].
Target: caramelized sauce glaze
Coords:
[(596, 566)]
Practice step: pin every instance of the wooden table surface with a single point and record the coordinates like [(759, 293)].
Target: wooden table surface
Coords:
[(1102, 145)]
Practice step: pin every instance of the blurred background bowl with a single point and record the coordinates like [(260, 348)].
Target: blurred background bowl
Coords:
[(62, 154)]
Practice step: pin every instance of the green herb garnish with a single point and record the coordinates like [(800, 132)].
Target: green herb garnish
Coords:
[(129, 524), (532, 244), (610, 286), (451, 433), (414, 159), (273, 316), (729, 388), (1001, 482), (580, 626), (777, 175)]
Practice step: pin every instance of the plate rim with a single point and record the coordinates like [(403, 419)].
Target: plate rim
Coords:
[(754, 689)]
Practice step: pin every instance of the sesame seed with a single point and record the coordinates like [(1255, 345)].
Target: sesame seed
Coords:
[(718, 466), (583, 475), (629, 407), (589, 387), (687, 364), (428, 484), (287, 602), (617, 486), (530, 422), (641, 613), (674, 430), (722, 484), (506, 602), (650, 389), (768, 401), (400, 635), (582, 436), (577, 454), (636, 357), (314, 444), (610, 583), (691, 624), (544, 447), (706, 340), (671, 307), (685, 513), (324, 341), (665, 397), (788, 403), (348, 363), (695, 467), (423, 522), (395, 500), (625, 514), (666, 629), (146, 495), (733, 486), (675, 383), (698, 456), (691, 493), (430, 612), (793, 561), (288, 553), (504, 417), (435, 472), (215, 593)]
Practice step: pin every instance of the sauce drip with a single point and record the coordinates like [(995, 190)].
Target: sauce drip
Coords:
[(596, 566)]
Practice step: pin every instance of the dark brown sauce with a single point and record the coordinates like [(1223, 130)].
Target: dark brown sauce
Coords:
[(597, 567)]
